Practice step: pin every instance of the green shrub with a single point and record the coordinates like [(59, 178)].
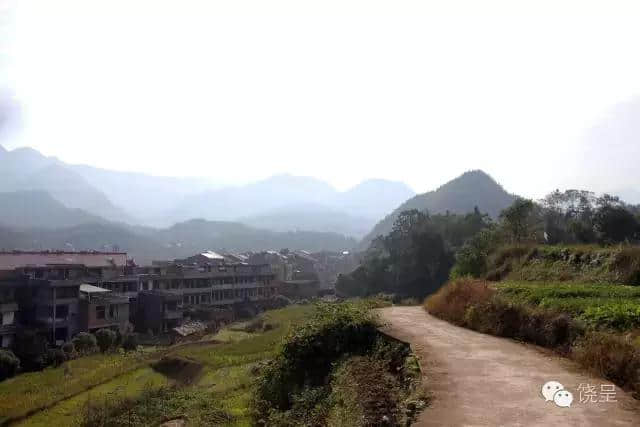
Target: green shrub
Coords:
[(155, 406), (106, 339), (9, 364), (31, 349), (69, 350), (84, 343), (309, 351), (130, 342), (55, 357)]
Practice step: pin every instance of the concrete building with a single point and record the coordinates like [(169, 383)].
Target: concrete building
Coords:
[(9, 284), (51, 307), (281, 265), (100, 308), (48, 297), (159, 311)]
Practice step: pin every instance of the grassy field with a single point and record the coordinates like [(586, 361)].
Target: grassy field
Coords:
[(602, 306), (27, 392), (226, 375)]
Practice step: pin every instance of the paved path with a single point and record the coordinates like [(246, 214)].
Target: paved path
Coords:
[(481, 380)]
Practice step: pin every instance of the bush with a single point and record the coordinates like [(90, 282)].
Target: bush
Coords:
[(84, 343), (106, 339), (55, 357), (155, 406), (627, 264), (31, 349), (130, 342), (69, 350), (9, 364), (309, 351), (452, 301), (280, 301)]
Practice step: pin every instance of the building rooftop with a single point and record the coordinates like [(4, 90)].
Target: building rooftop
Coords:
[(90, 289), (212, 255), (16, 259)]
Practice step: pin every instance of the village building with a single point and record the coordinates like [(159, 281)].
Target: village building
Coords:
[(99, 308), (9, 284)]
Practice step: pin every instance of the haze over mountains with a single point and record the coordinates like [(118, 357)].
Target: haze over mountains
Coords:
[(47, 204), (281, 203)]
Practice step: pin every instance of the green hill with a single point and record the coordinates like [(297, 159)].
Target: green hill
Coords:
[(459, 196)]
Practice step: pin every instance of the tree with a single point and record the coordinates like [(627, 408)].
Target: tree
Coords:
[(84, 343), (106, 339), (518, 220), (615, 224), (31, 349), (471, 259), (56, 357), (9, 364), (130, 342)]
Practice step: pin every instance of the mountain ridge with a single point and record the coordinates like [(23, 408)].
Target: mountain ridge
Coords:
[(459, 196)]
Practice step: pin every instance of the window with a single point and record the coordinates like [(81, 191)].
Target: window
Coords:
[(113, 311), (100, 312)]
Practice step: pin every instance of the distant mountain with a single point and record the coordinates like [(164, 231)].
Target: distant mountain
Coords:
[(145, 197), (373, 198), (72, 190), (29, 209), (253, 199), (26, 169), (273, 201), (460, 195), (278, 203), (181, 240), (311, 217)]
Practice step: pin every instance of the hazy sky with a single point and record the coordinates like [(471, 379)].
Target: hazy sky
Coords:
[(342, 90)]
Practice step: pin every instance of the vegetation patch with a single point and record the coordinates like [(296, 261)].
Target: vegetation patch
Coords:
[(155, 406), (336, 369), (56, 396)]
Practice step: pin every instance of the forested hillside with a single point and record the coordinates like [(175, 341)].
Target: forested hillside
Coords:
[(459, 196)]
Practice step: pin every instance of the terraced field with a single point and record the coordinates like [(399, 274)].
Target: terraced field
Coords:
[(58, 396), (602, 306)]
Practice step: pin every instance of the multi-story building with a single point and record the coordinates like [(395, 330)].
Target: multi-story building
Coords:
[(99, 308), (159, 311), (9, 284), (49, 297), (63, 293), (213, 285), (281, 266)]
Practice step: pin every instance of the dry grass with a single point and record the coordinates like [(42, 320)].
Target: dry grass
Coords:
[(453, 300), (614, 357)]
